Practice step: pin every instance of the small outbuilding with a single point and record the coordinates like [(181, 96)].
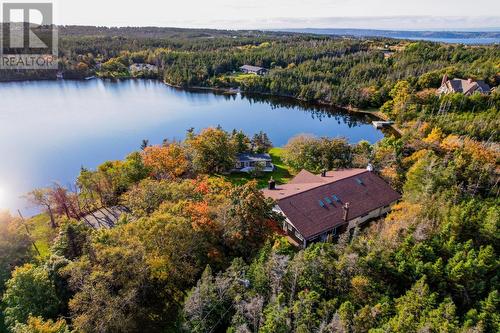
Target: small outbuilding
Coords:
[(249, 69)]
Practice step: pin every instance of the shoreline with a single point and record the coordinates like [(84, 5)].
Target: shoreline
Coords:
[(232, 91), (235, 91)]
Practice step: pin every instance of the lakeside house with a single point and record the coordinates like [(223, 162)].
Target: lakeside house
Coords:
[(321, 207), (387, 54), (248, 162), (466, 87), (249, 69), (143, 67)]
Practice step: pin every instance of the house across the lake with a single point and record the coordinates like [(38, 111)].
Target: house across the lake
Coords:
[(248, 162), (466, 87), (143, 67), (253, 69), (321, 207)]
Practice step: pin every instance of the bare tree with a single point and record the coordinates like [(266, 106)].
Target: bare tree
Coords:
[(42, 198)]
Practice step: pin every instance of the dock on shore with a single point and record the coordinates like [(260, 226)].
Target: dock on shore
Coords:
[(382, 124)]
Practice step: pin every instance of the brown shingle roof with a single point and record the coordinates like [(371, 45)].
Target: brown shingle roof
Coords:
[(300, 201), (305, 177), (305, 181)]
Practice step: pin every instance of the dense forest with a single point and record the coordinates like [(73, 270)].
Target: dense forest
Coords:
[(197, 251)]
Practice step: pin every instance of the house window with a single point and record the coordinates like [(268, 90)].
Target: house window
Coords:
[(299, 236)]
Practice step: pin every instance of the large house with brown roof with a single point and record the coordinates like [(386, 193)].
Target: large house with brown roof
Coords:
[(320, 207), (466, 87)]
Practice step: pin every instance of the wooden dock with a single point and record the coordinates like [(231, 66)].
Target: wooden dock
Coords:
[(382, 124)]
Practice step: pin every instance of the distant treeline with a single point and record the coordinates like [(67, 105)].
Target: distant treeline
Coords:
[(331, 70)]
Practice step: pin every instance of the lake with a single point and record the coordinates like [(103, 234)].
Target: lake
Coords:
[(50, 129)]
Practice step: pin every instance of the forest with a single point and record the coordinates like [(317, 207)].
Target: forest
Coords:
[(198, 252)]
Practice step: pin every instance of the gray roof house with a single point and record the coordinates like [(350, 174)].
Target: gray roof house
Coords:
[(253, 69), (466, 87), (247, 162)]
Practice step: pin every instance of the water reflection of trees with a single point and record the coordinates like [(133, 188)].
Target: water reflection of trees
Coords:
[(317, 111)]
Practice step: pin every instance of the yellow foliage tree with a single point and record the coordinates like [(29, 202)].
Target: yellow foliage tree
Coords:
[(38, 325), (434, 137)]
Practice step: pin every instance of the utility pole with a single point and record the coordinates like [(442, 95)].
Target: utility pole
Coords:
[(28, 231)]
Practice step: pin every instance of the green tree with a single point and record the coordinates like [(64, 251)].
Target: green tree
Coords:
[(317, 154), (305, 312), (240, 141), (412, 308), (134, 168), (205, 304), (213, 151), (400, 94), (489, 317), (72, 241), (276, 317), (29, 292), (261, 143), (15, 246)]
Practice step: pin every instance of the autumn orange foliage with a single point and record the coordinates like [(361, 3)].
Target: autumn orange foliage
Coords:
[(166, 162)]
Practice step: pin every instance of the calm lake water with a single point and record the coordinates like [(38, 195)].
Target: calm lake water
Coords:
[(49, 130)]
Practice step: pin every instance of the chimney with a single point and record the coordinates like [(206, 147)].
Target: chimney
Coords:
[(469, 80), (346, 211), (369, 167), (323, 173), (271, 184)]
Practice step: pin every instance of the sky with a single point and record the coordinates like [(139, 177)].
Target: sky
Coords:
[(239, 14)]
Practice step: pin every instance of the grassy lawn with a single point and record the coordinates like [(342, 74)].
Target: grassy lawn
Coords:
[(242, 77), (113, 75), (239, 78), (281, 173), (42, 233)]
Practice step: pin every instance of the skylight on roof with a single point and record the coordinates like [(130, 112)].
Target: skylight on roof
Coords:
[(359, 181), (321, 203), (335, 198), (327, 200)]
